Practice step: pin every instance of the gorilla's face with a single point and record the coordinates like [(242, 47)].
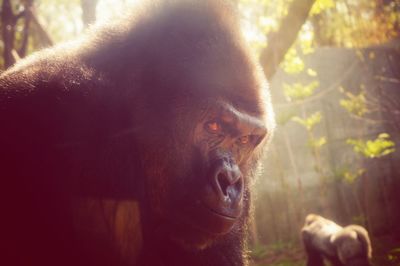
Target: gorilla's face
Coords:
[(201, 192), (201, 185)]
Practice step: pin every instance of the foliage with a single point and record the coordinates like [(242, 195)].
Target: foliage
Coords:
[(285, 263), (356, 23), (299, 91), (321, 5), (310, 121), (311, 72), (292, 64), (259, 252), (354, 104), (317, 142), (379, 147), (340, 23), (278, 254), (284, 117), (394, 255), (280, 246), (351, 176), (348, 175), (261, 17)]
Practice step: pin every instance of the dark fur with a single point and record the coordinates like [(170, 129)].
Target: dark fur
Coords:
[(342, 246), (96, 131)]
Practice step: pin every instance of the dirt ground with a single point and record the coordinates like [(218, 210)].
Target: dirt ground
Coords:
[(386, 252)]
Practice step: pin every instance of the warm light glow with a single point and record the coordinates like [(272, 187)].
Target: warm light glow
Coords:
[(107, 9)]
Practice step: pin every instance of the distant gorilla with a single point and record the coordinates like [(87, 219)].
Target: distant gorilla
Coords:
[(136, 144), (342, 246)]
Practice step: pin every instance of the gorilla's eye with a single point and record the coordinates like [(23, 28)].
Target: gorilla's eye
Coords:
[(244, 139), (213, 127)]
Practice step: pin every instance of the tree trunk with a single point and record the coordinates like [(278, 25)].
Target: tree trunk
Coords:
[(88, 11), (8, 30), (25, 34), (280, 41)]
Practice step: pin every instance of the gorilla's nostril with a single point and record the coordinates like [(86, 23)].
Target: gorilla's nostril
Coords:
[(229, 186), (239, 184), (223, 182)]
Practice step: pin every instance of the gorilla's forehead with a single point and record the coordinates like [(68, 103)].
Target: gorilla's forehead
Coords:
[(229, 113), (229, 75)]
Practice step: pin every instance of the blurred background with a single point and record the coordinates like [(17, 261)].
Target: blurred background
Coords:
[(334, 71)]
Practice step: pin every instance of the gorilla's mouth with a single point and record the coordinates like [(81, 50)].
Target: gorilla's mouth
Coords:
[(198, 227), (211, 221), (219, 213), (205, 219)]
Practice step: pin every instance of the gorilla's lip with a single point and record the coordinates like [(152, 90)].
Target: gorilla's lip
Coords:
[(226, 216), (207, 219)]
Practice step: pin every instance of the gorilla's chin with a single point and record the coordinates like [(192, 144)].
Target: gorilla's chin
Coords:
[(190, 238), (212, 221), (200, 227)]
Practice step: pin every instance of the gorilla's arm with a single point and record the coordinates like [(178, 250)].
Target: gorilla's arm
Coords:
[(353, 246), (314, 257)]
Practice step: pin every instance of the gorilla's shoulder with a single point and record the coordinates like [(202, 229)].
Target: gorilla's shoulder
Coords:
[(57, 67)]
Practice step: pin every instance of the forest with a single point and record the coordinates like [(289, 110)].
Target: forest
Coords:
[(334, 73)]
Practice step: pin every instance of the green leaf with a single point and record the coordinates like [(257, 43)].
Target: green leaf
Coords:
[(298, 91), (311, 72), (321, 5), (292, 63), (310, 121), (283, 117), (355, 104), (317, 143), (379, 147)]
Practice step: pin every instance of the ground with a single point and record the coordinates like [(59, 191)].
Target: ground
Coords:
[(386, 252)]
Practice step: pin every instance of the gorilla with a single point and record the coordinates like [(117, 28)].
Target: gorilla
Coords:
[(342, 246), (136, 144)]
